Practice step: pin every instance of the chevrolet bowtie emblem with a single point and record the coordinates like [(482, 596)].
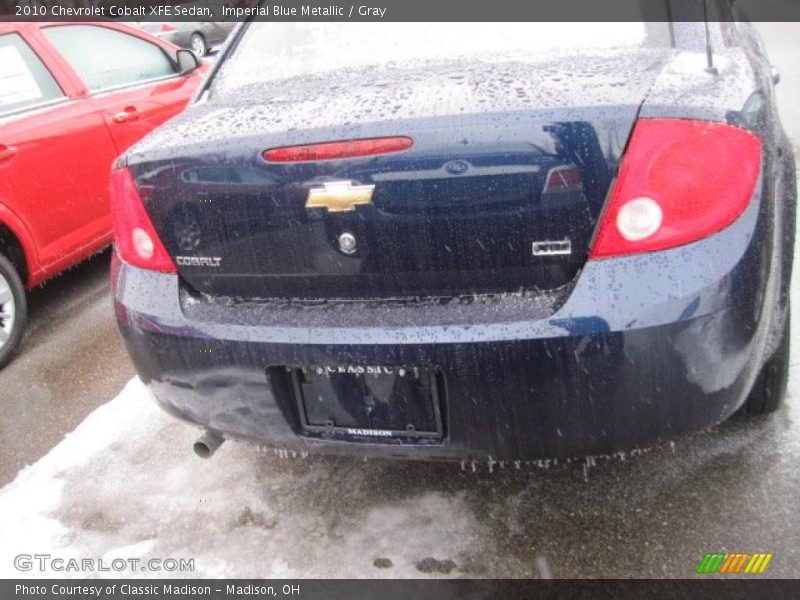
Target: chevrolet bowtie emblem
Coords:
[(339, 196)]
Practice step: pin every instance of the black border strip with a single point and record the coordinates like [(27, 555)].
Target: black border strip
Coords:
[(350, 589), (400, 10)]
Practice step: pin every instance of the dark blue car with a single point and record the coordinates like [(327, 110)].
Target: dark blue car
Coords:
[(463, 241)]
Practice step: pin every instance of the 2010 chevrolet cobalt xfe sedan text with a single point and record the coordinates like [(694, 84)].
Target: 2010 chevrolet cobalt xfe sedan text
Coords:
[(463, 241)]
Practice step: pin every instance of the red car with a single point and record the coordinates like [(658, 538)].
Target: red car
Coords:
[(73, 96)]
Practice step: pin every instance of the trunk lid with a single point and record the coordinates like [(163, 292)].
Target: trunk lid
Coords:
[(500, 192)]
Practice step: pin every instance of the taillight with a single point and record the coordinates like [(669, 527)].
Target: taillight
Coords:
[(334, 150), (563, 179), (679, 181), (134, 235), (166, 28)]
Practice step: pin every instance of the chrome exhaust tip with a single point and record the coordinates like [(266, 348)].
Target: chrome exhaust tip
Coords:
[(207, 444)]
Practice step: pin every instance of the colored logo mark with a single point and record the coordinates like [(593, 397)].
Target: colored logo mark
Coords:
[(737, 562)]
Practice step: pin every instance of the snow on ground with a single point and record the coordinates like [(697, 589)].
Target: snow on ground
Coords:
[(125, 484)]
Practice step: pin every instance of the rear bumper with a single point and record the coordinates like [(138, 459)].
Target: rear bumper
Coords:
[(642, 349)]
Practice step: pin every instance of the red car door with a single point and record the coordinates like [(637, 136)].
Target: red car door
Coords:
[(131, 80), (55, 153)]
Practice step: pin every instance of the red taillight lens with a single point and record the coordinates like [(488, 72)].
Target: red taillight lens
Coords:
[(166, 28), (134, 235), (333, 150), (679, 181), (563, 179)]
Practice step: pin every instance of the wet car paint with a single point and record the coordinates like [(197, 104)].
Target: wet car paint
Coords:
[(630, 352), (575, 382), (426, 232), (652, 514)]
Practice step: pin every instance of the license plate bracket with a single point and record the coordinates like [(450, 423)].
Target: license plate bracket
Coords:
[(370, 402)]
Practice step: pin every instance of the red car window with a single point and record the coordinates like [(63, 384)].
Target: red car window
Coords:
[(24, 80), (105, 58)]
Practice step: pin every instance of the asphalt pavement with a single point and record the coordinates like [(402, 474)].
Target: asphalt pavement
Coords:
[(730, 489), (71, 361)]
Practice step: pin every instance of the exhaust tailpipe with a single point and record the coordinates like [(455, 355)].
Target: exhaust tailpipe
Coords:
[(207, 444)]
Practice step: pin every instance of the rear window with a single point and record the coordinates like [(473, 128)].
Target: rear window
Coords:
[(273, 51)]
